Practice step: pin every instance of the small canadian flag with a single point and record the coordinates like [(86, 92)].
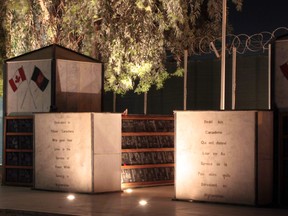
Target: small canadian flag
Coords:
[(17, 79)]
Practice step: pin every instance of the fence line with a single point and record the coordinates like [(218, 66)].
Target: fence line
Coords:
[(243, 43)]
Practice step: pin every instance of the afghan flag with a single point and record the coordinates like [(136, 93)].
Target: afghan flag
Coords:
[(284, 69), (17, 79), (39, 78)]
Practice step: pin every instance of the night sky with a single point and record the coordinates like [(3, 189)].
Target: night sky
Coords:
[(259, 15)]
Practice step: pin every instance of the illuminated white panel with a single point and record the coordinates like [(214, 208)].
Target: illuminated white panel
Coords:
[(79, 77), (67, 156), (216, 155), (63, 152), (22, 92), (107, 152)]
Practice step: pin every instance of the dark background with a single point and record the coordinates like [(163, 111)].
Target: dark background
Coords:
[(258, 16), (203, 81)]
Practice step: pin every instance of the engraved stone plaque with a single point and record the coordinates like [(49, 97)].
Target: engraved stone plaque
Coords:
[(65, 148), (217, 157)]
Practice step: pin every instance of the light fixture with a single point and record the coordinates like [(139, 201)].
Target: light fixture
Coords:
[(128, 190), (70, 197), (143, 202)]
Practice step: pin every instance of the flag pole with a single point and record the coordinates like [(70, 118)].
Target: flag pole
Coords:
[(269, 76), (145, 103), (223, 56), (185, 78), (234, 63), (114, 102), (28, 89)]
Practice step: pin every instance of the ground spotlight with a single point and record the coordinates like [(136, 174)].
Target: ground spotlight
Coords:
[(70, 197)]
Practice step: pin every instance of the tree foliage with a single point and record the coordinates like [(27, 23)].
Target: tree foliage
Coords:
[(132, 37), (32, 24), (136, 34)]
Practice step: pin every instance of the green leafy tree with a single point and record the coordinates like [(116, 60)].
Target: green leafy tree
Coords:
[(131, 37), (2, 43), (132, 45), (32, 24), (135, 36)]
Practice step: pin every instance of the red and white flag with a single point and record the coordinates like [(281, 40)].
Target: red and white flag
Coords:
[(17, 79), (284, 69)]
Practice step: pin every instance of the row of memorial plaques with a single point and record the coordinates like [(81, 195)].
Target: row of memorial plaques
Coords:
[(19, 125), (131, 142), (19, 158), (147, 174), (19, 142), (137, 158), (129, 125), (19, 175)]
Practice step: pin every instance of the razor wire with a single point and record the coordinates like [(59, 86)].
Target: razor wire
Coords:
[(243, 43)]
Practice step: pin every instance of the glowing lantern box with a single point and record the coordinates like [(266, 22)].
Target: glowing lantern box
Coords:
[(52, 79), (224, 156), (77, 152)]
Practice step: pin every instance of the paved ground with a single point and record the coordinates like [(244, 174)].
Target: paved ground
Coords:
[(26, 201)]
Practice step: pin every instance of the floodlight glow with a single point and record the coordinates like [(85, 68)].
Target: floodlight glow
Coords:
[(70, 197), (143, 202), (128, 190)]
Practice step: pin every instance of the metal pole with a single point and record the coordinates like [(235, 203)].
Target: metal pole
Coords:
[(223, 56), (269, 76), (114, 102), (234, 63), (145, 103), (185, 78)]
